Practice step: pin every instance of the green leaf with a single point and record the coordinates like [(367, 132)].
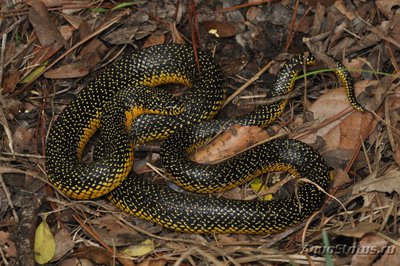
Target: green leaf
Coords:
[(34, 74), (126, 4)]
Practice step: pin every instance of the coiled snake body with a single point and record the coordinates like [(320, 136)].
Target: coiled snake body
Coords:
[(113, 102)]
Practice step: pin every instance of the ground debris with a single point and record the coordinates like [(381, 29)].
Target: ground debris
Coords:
[(50, 49)]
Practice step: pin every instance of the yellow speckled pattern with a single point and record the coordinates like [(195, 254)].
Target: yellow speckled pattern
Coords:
[(113, 102), (196, 214), (126, 80)]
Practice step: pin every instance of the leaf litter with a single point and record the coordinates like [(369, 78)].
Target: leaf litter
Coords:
[(50, 49)]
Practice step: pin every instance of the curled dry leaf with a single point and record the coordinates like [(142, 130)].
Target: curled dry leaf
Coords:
[(230, 143)]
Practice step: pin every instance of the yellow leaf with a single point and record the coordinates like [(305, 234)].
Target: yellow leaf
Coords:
[(258, 185), (45, 246), (140, 250)]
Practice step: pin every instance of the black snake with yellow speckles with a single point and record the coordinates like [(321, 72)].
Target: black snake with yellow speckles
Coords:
[(126, 91)]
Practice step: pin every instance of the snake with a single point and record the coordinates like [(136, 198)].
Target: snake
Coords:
[(126, 93)]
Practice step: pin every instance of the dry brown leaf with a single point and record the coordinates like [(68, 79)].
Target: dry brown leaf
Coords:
[(7, 245), (154, 39), (10, 80), (230, 143), (318, 18), (370, 247), (69, 262), (330, 105), (64, 243), (391, 256), (252, 13), (394, 118), (341, 178), (98, 255), (152, 262), (356, 63), (44, 26), (113, 233), (388, 182), (219, 29), (67, 31), (89, 57), (24, 140), (358, 231), (350, 132), (176, 35), (388, 7), (341, 6), (74, 70)]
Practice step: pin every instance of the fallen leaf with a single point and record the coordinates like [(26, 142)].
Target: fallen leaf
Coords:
[(24, 140), (8, 245), (66, 32), (344, 132), (89, 57), (341, 178), (98, 255), (229, 143), (152, 262), (140, 250), (258, 185), (358, 231), (113, 233), (11, 79), (34, 74), (353, 65), (341, 6), (388, 7), (74, 70), (44, 26), (388, 182), (45, 246), (252, 13), (154, 39), (64, 243), (390, 257), (369, 248), (219, 29), (176, 35)]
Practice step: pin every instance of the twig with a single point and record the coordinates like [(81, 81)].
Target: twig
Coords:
[(8, 196), (248, 83)]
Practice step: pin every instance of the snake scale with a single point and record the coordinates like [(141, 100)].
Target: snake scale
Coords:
[(123, 100)]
